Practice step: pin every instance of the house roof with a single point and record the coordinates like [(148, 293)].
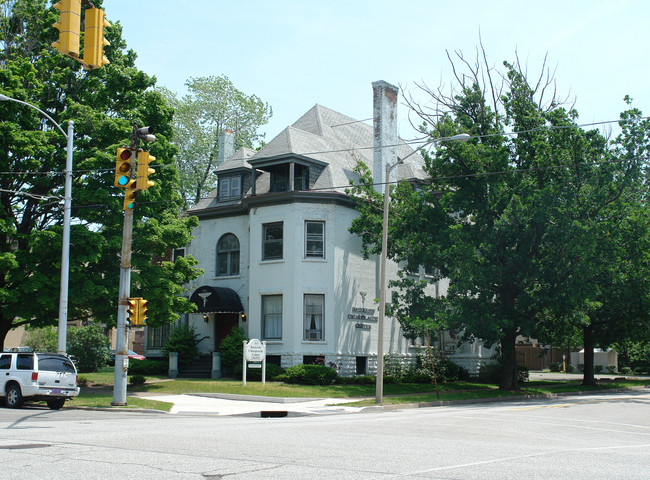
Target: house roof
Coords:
[(325, 138)]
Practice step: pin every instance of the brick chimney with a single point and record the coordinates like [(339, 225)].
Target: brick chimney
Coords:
[(384, 101), (226, 145)]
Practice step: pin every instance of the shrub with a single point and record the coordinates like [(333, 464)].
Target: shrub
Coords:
[(569, 368), (82, 381), (490, 373), (523, 374), (555, 366), (149, 367), (137, 380), (88, 346), (581, 367), (309, 375), (626, 371), (232, 351), (273, 371), (611, 369), (448, 371), (183, 340), (598, 368)]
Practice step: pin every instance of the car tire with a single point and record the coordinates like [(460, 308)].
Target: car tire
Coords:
[(14, 396), (56, 404)]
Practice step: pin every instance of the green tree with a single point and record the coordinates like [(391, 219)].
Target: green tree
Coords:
[(103, 103), (611, 244), (42, 339), (212, 105), (496, 214)]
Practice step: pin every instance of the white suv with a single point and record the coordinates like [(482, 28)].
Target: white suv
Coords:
[(37, 376)]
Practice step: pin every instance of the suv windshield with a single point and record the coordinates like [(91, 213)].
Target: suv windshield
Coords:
[(55, 363)]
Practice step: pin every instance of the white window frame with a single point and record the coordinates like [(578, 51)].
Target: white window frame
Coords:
[(310, 237), (266, 242), (313, 317), (229, 254), (272, 312)]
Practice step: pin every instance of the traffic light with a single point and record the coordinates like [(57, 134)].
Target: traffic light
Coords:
[(129, 196), (123, 167), (94, 40), (132, 310), (144, 159), (145, 134), (143, 311), (68, 26)]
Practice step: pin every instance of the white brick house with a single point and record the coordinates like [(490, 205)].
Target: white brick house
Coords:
[(279, 260)]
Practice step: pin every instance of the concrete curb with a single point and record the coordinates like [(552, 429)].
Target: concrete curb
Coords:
[(513, 398)]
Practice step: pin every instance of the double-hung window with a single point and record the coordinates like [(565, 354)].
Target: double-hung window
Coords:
[(229, 187), (314, 239), (314, 317), (272, 317), (272, 237)]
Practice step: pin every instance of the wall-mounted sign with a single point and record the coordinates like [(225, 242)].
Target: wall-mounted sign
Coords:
[(363, 314), (363, 326)]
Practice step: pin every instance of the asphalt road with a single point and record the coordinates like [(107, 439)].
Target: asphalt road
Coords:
[(584, 437)]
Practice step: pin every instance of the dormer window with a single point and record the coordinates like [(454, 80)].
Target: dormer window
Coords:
[(281, 176), (229, 188)]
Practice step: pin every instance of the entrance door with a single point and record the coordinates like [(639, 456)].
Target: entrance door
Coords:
[(223, 325)]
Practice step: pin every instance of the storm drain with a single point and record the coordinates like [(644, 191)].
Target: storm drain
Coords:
[(273, 413)]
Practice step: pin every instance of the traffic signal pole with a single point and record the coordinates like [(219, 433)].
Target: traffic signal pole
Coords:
[(121, 343), (121, 355)]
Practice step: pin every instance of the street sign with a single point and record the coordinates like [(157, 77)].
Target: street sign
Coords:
[(254, 351)]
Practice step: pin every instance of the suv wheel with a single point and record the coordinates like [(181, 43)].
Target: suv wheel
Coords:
[(56, 404), (14, 396)]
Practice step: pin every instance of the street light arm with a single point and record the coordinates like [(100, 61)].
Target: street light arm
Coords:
[(5, 98)]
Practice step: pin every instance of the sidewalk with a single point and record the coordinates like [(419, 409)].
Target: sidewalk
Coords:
[(225, 404)]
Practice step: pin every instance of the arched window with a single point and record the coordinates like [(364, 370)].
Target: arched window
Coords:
[(228, 255)]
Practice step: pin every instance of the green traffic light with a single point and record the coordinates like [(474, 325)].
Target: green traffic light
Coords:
[(123, 180)]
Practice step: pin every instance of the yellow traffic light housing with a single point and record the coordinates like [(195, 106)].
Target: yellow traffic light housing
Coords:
[(68, 26), (94, 39), (143, 311), (144, 159), (130, 195), (132, 310), (123, 167), (137, 311)]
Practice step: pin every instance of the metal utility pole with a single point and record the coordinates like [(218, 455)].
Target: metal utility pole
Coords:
[(65, 247), (65, 240)]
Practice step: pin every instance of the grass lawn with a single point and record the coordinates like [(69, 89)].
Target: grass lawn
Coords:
[(100, 384)]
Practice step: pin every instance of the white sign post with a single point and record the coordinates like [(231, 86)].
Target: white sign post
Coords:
[(255, 351)]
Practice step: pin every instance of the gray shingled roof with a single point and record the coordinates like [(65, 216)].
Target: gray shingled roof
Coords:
[(327, 137)]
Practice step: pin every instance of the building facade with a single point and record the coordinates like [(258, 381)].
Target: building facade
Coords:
[(279, 259)]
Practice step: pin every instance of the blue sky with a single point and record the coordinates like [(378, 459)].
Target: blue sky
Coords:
[(294, 54)]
